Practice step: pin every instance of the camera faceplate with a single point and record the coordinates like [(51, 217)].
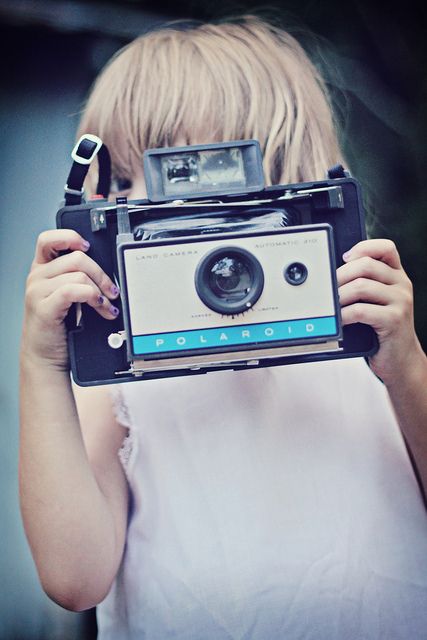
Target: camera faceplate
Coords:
[(166, 310)]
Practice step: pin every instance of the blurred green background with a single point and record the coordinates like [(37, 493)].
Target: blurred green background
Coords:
[(375, 63)]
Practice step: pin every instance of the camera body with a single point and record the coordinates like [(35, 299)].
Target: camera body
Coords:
[(216, 271)]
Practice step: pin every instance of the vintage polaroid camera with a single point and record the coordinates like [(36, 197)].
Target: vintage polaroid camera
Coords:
[(215, 270)]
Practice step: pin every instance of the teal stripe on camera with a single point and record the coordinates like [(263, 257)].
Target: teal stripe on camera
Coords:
[(233, 336)]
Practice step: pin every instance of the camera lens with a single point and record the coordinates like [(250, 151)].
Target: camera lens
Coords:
[(296, 273), (229, 280), (230, 276)]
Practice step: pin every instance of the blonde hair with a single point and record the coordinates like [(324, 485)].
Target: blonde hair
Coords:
[(216, 82)]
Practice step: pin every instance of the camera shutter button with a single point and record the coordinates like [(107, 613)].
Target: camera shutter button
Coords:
[(116, 340)]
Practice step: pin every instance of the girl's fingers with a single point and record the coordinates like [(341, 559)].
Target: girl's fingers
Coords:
[(51, 243), (79, 262), (366, 290), (57, 304), (367, 267), (373, 314), (100, 302), (379, 249)]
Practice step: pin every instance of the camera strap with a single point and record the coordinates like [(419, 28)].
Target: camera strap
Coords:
[(83, 153)]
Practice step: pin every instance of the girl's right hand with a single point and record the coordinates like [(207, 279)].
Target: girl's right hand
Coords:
[(54, 283)]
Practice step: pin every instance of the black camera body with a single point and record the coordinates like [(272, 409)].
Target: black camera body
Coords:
[(216, 271)]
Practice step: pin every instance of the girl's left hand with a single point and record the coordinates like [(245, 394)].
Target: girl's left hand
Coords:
[(374, 289)]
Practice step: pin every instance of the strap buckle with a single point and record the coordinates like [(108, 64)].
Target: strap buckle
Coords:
[(73, 192), (90, 145)]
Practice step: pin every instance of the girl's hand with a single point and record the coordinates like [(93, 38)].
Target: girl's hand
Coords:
[(374, 289), (54, 283)]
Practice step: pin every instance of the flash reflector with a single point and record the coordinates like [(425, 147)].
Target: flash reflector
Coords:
[(199, 171)]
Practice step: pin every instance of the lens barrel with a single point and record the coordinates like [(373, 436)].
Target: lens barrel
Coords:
[(229, 280)]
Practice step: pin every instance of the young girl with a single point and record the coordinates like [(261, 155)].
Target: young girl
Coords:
[(278, 503)]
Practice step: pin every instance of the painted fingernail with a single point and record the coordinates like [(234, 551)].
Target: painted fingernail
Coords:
[(114, 310), (86, 245), (101, 299), (114, 290)]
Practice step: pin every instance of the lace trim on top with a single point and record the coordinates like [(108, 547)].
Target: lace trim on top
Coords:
[(122, 415)]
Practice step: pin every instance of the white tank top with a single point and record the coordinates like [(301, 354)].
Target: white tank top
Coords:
[(268, 504)]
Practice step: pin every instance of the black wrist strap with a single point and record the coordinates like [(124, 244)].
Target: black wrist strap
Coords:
[(83, 153)]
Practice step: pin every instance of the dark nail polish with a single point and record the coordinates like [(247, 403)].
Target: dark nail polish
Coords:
[(114, 310), (101, 299), (114, 290)]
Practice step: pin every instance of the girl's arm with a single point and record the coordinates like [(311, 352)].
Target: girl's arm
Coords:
[(374, 289), (72, 488)]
